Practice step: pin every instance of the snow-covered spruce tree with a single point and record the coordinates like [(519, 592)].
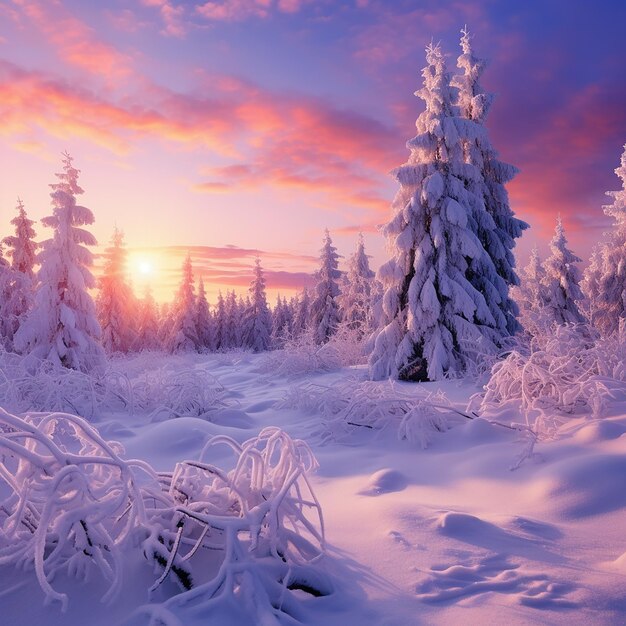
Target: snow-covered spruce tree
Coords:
[(204, 320), (8, 291), (62, 326), (148, 327), (324, 310), (496, 227), (183, 336), (561, 281), (232, 330), (258, 318), (21, 247), (282, 322), (18, 285), (605, 278), (115, 302), (357, 291), (302, 311), (220, 323), (432, 315)]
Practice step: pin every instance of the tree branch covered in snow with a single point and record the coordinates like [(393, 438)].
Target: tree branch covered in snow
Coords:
[(70, 503), (569, 371), (346, 407)]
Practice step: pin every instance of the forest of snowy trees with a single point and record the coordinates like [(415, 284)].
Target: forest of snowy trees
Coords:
[(448, 303), (448, 295)]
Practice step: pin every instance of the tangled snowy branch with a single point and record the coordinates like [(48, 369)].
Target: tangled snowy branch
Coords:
[(348, 406), (302, 355), (567, 372), (69, 503)]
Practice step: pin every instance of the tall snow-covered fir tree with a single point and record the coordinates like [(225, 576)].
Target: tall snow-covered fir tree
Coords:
[(258, 323), (115, 303), (531, 297), (22, 247), (62, 326), (204, 320), (148, 324), (324, 313), (561, 280), (302, 311), (432, 315), (232, 329), (357, 291), (220, 323), (282, 322), (18, 285), (495, 224), (183, 335), (605, 277)]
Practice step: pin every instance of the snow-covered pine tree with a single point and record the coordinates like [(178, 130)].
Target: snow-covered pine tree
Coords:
[(258, 319), (148, 327), (232, 331), (357, 291), (561, 280), (21, 247), (494, 224), (431, 313), (324, 310), (183, 336), (18, 285), (302, 311), (115, 303), (220, 323), (204, 320), (62, 326), (282, 322), (605, 278)]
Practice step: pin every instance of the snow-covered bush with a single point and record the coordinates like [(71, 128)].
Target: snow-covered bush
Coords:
[(69, 503), (569, 371), (346, 407), (303, 355), (30, 384)]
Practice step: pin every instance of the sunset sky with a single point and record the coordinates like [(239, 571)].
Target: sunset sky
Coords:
[(241, 127)]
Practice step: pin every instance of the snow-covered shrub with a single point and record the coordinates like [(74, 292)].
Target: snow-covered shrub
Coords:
[(569, 371), (166, 392), (30, 384), (302, 355), (69, 503), (262, 516), (346, 407)]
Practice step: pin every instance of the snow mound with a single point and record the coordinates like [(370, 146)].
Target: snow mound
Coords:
[(583, 487), (600, 430), (384, 481)]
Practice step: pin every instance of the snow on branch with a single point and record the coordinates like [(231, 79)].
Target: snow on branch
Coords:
[(347, 407), (69, 503), (568, 372)]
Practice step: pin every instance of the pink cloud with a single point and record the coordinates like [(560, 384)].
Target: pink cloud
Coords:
[(172, 16), (239, 10), (74, 41)]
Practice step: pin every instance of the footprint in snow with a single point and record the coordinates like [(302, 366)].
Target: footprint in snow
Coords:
[(450, 583)]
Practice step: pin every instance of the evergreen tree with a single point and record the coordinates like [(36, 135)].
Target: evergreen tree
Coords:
[(561, 280), (115, 303), (62, 326), (282, 322), (258, 319), (494, 223), (324, 310), (221, 342), (431, 313), (183, 336), (148, 327), (204, 321), (22, 248), (358, 291), (302, 312), (605, 278), (232, 325), (9, 322)]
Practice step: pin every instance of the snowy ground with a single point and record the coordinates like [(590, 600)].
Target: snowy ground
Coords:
[(446, 535)]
